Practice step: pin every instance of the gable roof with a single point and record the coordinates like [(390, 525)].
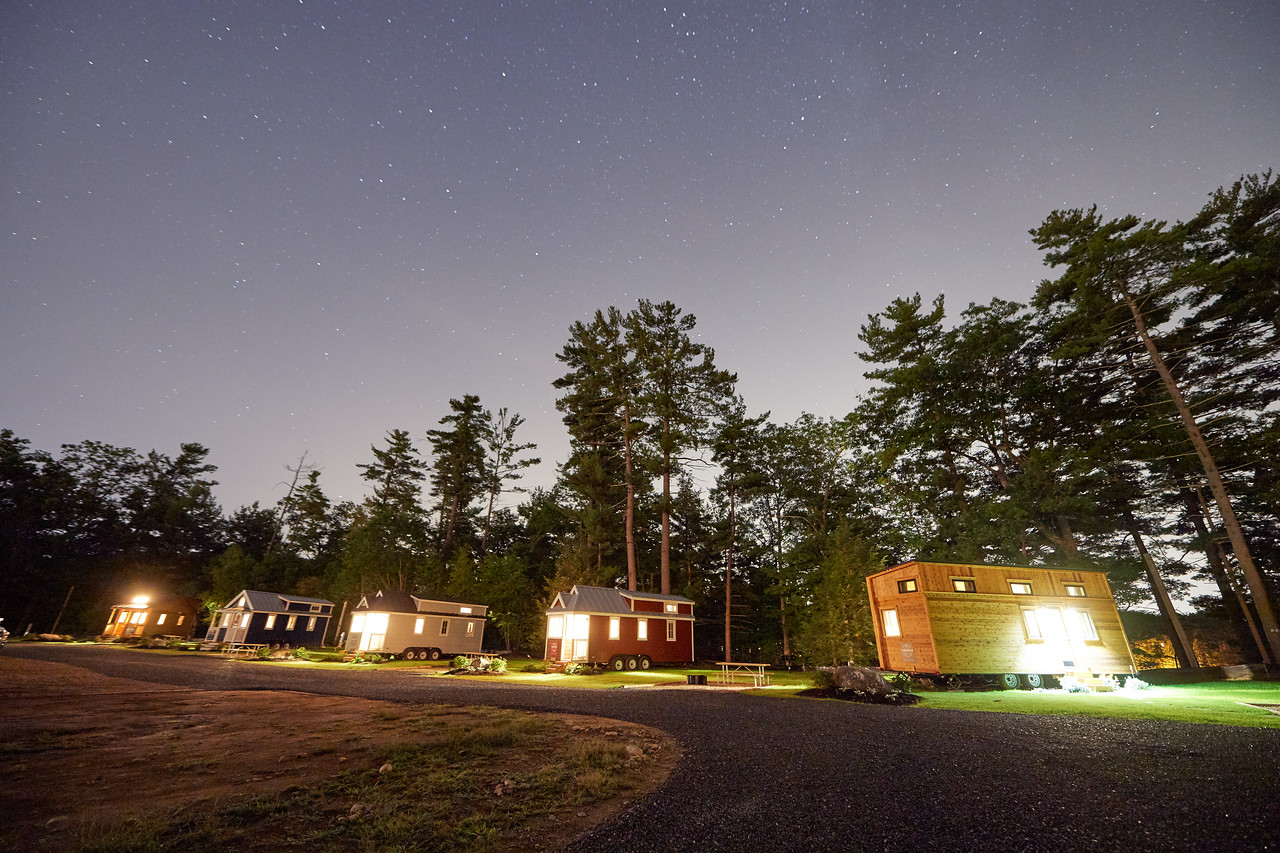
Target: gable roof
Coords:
[(257, 600), (390, 601), (599, 599)]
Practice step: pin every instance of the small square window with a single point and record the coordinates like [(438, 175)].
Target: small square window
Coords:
[(1020, 587), (964, 585), (670, 608), (890, 620), (1075, 590), (908, 585)]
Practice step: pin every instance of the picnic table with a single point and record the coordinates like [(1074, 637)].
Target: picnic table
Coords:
[(730, 670)]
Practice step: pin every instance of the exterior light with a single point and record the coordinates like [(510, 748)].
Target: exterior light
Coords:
[(140, 601)]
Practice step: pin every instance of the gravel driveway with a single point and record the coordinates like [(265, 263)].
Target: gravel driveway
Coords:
[(779, 774)]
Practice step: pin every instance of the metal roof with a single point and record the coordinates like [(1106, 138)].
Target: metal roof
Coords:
[(257, 600), (599, 599)]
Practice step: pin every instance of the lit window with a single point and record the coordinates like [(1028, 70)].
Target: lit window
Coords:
[(670, 608), (182, 619), (244, 619), (1031, 622), (555, 627), (471, 629), (464, 610), (964, 585), (226, 620), (271, 621), (642, 629), (908, 585), (418, 625), (311, 624), (444, 627), (140, 617), (615, 628), (1020, 587), (293, 620), (1075, 590), (671, 629), (357, 623), (890, 620), (1086, 625), (160, 620)]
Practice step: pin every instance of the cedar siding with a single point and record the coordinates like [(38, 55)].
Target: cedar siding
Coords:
[(943, 630)]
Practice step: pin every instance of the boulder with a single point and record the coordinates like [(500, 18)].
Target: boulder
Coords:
[(861, 678)]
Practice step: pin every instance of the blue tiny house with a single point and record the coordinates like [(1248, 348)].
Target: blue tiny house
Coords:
[(271, 619)]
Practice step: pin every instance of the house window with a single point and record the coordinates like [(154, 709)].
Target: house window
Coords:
[(271, 621), (245, 619), (1086, 625), (140, 617), (1075, 590), (1031, 623), (615, 628), (357, 623), (670, 608), (316, 608), (226, 620), (1020, 587), (890, 620), (160, 620), (471, 629), (311, 624), (642, 629), (908, 585), (671, 629), (293, 620), (464, 610), (444, 627), (964, 585), (555, 627), (182, 619), (418, 625)]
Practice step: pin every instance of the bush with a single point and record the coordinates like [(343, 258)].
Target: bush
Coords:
[(498, 665), (461, 662), (300, 653), (823, 679)]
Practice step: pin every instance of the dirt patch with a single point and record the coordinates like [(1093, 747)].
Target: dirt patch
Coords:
[(83, 750)]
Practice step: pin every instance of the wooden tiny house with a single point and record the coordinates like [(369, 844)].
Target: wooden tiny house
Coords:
[(619, 628), (1016, 623), (394, 622), (174, 617)]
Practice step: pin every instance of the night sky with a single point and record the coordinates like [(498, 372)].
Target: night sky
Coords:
[(278, 227)]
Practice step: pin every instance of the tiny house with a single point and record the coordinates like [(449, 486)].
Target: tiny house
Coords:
[(619, 628), (175, 617), (271, 619), (393, 622), (1019, 625)]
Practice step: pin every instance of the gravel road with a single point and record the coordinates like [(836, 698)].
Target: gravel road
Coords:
[(780, 774)]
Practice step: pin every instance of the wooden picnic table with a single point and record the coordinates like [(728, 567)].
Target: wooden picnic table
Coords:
[(730, 670)]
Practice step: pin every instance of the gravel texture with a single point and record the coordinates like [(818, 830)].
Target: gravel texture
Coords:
[(782, 774)]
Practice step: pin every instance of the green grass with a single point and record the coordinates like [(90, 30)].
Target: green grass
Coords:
[(1225, 703)]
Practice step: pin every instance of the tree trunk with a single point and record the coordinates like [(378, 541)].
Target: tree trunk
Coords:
[(1226, 511), (1182, 647), (629, 516), (1232, 598), (728, 577)]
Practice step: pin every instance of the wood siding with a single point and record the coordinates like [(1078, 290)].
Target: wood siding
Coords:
[(985, 631)]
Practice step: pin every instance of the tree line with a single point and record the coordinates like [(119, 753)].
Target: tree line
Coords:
[(1126, 419)]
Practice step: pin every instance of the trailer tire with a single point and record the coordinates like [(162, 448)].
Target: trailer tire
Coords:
[(1033, 680), (633, 662), (617, 663), (434, 654), (646, 663), (1009, 681), (408, 654)]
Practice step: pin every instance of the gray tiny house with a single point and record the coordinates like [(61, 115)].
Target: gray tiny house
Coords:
[(392, 622)]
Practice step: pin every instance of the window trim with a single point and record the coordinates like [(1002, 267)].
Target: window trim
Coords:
[(615, 628), (907, 585), (1031, 625), (642, 630), (671, 630), (1026, 589), (1074, 590), (889, 619), (964, 584)]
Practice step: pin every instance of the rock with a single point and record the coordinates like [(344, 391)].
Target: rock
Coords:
[(634, 751), (861, 678), (384, 769)]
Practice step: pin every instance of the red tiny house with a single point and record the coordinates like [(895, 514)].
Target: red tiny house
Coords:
[(619, 628)]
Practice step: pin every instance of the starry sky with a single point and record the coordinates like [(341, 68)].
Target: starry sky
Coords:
[(276, 227)]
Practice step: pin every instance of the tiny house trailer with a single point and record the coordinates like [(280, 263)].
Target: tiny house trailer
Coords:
[(1018, 625), (619, 628), (139, 618), (271, 619), (392, 622)]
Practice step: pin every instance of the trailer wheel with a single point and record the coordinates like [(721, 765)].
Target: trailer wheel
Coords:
[(645, 662), (1009, 681), (434, 654), (408, 654), (617, 663), (633, 662), (1033, 680)]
